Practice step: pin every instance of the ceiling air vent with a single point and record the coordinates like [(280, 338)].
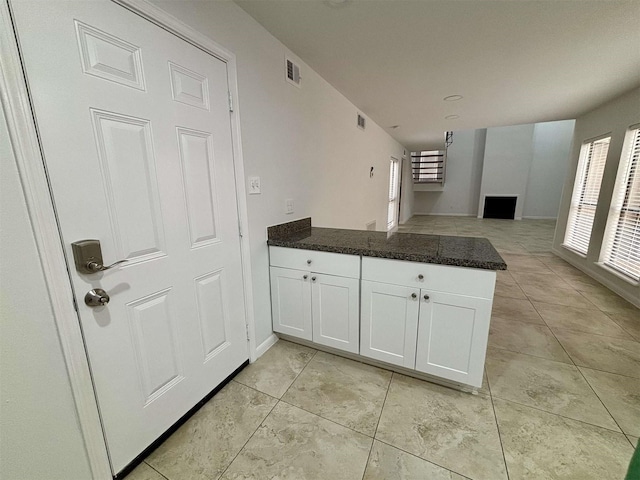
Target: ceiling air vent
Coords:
[(292, 72), (361, 121)]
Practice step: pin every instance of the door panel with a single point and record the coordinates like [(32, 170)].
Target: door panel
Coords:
[(452, 336), (136, 134), (198, 178), (335, 311), (389, 322)]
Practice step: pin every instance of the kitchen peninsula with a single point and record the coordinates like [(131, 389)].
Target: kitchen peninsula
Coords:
[(419, 304)]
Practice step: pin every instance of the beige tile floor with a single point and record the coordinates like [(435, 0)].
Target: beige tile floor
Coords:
[(561, 400)]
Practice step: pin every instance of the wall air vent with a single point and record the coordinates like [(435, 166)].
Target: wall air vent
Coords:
[(292, 72), (361, 122)]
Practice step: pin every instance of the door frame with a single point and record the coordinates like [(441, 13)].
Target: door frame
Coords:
[(29, 157)]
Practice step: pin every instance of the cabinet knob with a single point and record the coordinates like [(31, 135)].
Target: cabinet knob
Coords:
[(426, 297), (414, 296), (308, 262), (305, 277), (421, 277), (313, 279)]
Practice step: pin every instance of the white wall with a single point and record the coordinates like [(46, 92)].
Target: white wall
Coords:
[(407, 196), (507, 159), (303, 143), (551, 149), (462, 181), (40, 435), (614, 117)]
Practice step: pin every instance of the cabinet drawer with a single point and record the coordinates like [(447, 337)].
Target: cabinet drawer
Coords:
[(442, 278), (313, 261)]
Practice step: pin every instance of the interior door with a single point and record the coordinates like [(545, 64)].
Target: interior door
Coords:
[(135, 129)]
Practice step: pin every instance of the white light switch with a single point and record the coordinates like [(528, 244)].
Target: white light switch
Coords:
[(254, 185), (288, 205)]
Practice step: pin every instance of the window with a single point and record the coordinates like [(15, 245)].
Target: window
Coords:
[(392, 213), (428, 166), (621, 247), (586, 189)]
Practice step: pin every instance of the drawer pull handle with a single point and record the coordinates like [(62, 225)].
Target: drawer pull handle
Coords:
[(426, 297), (308, 262), (414, 296), (421, 277), (304, 277), (313, 279)]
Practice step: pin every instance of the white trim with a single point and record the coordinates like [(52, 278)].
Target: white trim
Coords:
[(23, 134), (564, 254), (26, 148), (170, 23), (266, 345), (534, 217)]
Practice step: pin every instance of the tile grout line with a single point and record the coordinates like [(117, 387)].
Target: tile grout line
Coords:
[(155, 469), (559, 415), (386, 394), (609, 315), (495, 416), (248, 439), (278, 400), (420, 458), (583, 376), (299, 373)]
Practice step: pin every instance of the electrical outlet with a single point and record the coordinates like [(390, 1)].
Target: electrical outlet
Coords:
[(288, 205), (254, 185)]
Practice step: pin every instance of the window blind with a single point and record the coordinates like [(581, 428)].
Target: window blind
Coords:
[(586, 189), (621, 248), (393, 194)]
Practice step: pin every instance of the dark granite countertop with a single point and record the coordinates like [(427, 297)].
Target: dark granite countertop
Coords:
[(469, 252)]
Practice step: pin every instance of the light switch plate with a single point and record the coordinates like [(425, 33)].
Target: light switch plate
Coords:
[(254, 185), (288, 205)]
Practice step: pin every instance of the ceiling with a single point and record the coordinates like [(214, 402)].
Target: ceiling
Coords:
[(513, 61)]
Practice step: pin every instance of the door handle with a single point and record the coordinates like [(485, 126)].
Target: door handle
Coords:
[(87, 255)]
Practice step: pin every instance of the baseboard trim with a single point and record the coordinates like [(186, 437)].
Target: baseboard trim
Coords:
[(387, 366), (539, 218), (266, 345), (446, 214), (160, 440)]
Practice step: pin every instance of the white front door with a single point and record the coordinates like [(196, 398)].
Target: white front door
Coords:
[(135, 129)]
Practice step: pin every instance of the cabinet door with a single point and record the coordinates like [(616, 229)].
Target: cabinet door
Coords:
[(335, 311), (291, 302), (389, 323), (452, 336)]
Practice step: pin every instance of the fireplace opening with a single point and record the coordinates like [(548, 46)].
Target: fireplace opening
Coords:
[(500, 207)]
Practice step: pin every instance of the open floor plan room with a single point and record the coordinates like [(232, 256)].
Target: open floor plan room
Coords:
[(561, 397)]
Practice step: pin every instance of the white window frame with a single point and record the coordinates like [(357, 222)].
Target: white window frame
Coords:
[(627, 181), (582, 213), (394, 184)]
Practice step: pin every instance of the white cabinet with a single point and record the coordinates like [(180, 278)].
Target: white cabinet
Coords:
[(389, 323), (314, 304), (335, 311), (426, 317), (291, 302), (452, 336), (420, 325)]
